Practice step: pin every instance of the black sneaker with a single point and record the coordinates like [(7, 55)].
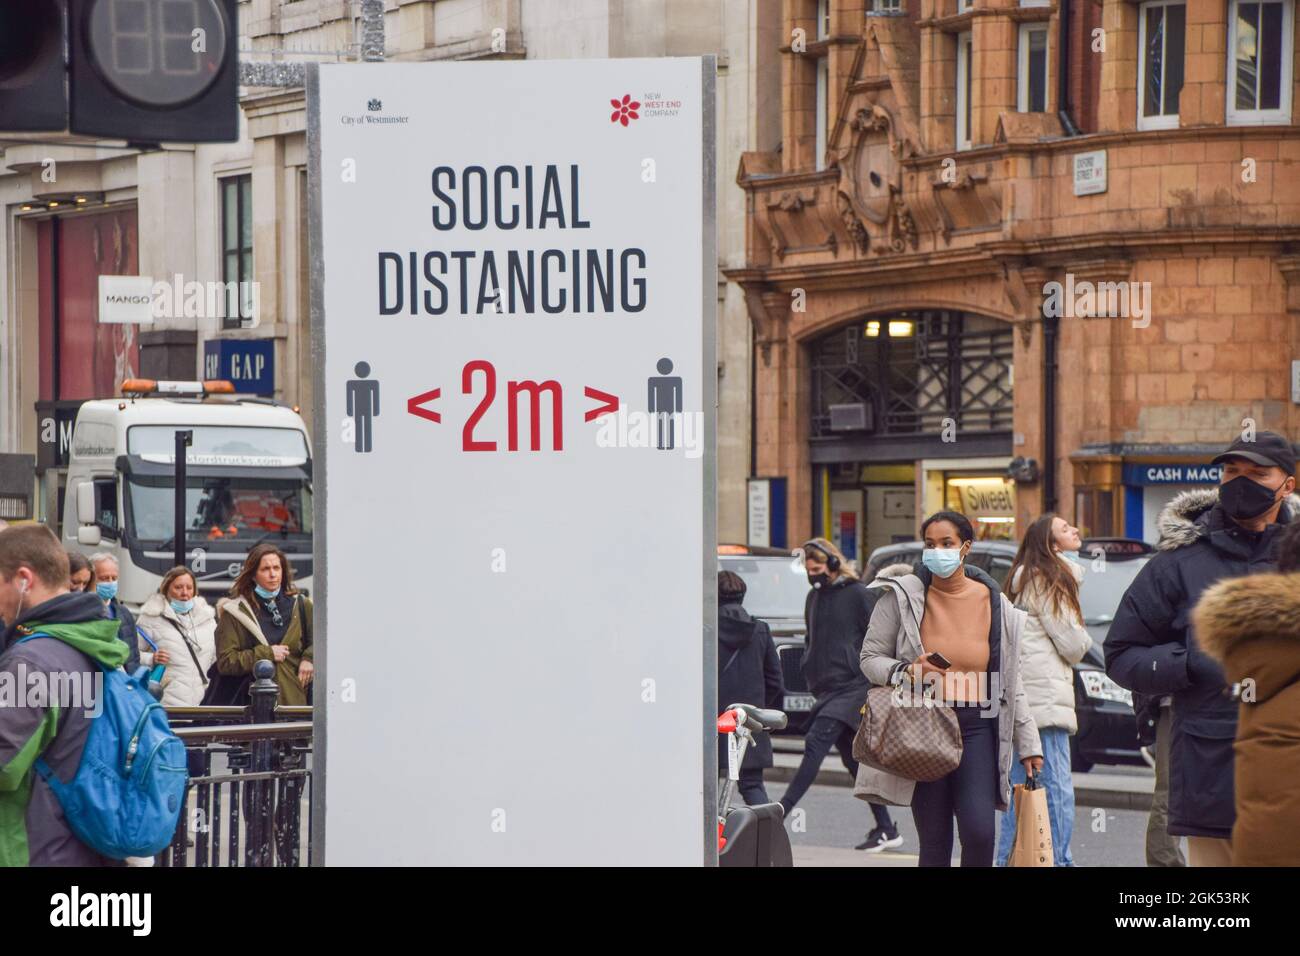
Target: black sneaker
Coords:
[(881, 838)]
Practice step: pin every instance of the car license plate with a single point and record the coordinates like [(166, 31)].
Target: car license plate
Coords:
[(798, 702)]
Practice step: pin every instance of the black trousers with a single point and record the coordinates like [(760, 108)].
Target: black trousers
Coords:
[(751, 786), (822, 734), (969, 793)]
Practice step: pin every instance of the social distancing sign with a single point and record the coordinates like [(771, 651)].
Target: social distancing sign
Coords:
[(513, 303)]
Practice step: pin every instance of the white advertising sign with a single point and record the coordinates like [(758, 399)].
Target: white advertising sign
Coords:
[(760, 512), (513, 281), (124, 299)]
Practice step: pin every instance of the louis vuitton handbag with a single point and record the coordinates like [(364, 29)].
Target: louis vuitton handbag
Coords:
[(906, 736)]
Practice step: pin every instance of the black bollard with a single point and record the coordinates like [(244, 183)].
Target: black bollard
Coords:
[(265, 693)]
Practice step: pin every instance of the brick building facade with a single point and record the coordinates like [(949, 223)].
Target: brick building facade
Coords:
[(955, 178)]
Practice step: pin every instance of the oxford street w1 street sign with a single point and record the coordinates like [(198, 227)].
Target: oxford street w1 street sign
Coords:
[(513, 284)]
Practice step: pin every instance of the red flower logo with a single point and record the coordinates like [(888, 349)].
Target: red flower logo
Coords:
[(624, 109)]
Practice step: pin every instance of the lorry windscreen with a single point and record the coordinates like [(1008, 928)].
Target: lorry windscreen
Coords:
[(220, 444), (228, 510)]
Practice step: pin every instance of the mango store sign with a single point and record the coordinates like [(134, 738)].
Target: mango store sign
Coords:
[(126, 299)]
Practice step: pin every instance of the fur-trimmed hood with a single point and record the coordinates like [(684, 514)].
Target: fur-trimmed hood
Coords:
[(896, 570), (1252, 626), (1179, 522)]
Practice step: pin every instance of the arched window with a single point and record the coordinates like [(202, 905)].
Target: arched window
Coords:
[(906, 373)]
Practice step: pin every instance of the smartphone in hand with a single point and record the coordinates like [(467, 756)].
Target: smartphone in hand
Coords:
[(938, 660)]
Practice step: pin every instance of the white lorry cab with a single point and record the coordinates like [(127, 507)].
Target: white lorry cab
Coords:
[(248, 481)]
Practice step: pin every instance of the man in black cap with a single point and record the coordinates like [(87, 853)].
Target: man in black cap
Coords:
[(1205, 536)]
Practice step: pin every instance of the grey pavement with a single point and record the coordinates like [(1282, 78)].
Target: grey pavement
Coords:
[(829, 821), (1114, 787)]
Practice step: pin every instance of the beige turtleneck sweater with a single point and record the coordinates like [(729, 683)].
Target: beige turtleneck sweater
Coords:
[(956, 624)]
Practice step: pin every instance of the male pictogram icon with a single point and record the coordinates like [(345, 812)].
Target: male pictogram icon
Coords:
[(664, 395), (363, 405)]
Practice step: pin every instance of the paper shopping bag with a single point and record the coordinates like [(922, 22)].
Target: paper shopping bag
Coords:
[(1033, 843)]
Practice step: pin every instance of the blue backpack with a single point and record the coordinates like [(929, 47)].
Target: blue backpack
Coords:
[(129, 789)]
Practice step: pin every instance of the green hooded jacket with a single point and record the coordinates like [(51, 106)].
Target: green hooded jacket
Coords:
[(54, 724)]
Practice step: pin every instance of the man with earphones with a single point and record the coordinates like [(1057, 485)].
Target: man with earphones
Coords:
[(836, 614), (52, 724)]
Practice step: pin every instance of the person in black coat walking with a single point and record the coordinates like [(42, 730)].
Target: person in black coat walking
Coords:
[(836, 614), (749, 672), (1205, 536)]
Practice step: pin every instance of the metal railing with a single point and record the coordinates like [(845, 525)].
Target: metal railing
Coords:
[(250, 776)]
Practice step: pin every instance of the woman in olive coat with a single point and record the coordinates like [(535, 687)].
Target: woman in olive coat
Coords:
[(266, 618)]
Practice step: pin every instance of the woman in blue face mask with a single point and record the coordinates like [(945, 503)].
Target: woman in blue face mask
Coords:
[(266, 618), (183, 626), (946, 632)]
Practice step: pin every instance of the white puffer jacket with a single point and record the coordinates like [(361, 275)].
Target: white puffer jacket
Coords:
[(183, 684), (1052, 643)]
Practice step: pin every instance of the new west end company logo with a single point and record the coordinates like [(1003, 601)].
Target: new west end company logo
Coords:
[(651, 105), (373, 116), (624, 109)]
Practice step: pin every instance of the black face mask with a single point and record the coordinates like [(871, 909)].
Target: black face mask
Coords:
[(1244, 498), (819, 580)]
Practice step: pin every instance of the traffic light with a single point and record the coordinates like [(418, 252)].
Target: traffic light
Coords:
[(138, 70), (150, 70), (31, 66)]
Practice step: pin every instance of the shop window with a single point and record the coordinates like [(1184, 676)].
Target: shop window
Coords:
[(1259, 61), (237, 249), (1161, 29), (913, 373), (964, 89), (989, 501), (1033, 72), (1094, 512)]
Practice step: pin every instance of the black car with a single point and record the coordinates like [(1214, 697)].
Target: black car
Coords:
[(995, 557), (1107, 726)]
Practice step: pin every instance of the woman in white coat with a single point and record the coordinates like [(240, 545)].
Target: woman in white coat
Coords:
[(184, 627), (1045, 583)]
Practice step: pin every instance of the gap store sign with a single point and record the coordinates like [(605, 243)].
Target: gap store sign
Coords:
[(248, 363)]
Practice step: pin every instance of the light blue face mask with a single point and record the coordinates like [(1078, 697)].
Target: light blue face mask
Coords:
[(264, 594), (182, 607), (107, 590), (942, 561), (1072, 555)]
